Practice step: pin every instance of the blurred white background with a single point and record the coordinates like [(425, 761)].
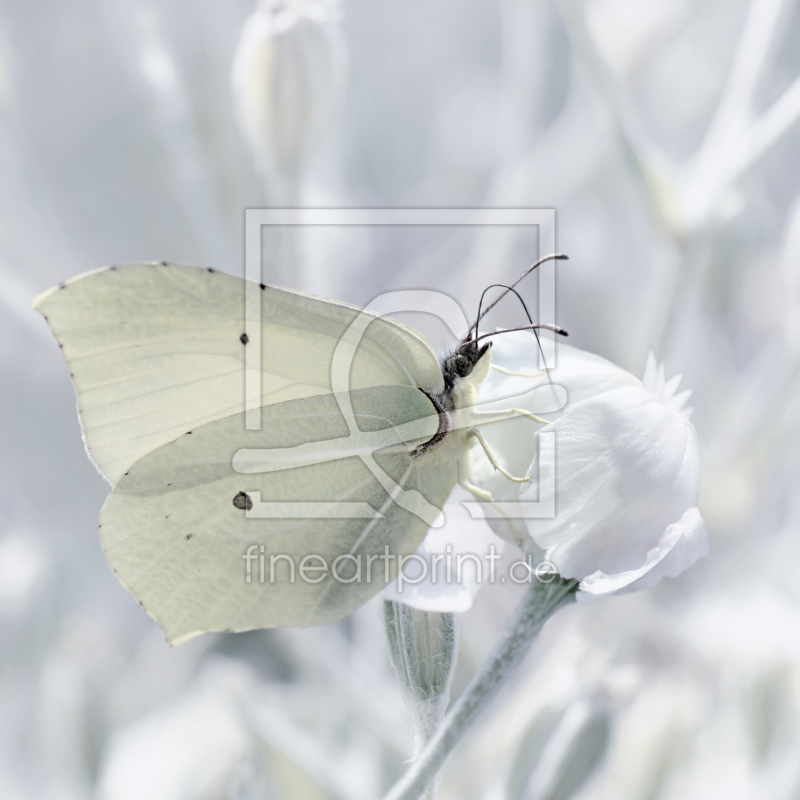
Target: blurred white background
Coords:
[(664, 133)]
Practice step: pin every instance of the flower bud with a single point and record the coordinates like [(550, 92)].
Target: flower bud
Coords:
[(561, 755), (286, 77), (423, 647)]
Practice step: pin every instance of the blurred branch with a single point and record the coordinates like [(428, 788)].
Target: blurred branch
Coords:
[(767, 387), (650, 164), (281, 732), (684, 201), (532, 166), (765, 132), (722, 169), (145, 53), (734, 143), (735, 107)]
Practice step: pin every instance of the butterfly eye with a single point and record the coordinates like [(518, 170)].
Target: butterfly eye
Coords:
[(463, 365)]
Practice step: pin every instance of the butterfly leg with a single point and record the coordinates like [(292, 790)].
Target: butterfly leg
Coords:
[(493, 458), (485, 417), (505, 371), (477, 492), (486, 497)]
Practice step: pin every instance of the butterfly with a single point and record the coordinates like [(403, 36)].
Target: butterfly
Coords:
[(215, 526)]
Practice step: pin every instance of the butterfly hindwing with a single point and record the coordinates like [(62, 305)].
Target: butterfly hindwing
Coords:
[(176, 527)]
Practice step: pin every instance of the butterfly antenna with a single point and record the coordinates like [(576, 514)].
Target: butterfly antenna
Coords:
[(527, 314), (543, 325), (531, 268), (507, 290)]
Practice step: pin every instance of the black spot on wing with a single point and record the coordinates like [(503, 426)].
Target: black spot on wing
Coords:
[(188, 536), (263, 286), (243, 501), (244, 338), (163, 263), (210, 269)]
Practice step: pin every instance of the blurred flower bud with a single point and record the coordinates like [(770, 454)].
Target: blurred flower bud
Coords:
[(286, 77), (195, 748), (627, 471), (561, 757)]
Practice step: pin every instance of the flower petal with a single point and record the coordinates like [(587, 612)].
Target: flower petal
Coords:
[(650, 377), (627, 466), (683, 543), (459, 543)]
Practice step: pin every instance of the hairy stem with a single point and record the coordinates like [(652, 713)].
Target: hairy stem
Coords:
[(540, 602)]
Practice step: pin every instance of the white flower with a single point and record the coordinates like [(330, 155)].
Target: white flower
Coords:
[(627, 470), (286, 75), (457, 561)]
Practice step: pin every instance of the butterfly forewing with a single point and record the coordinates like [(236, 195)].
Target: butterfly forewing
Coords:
[(155, 350)]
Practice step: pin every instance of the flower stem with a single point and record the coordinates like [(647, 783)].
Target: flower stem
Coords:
[(540, 602)]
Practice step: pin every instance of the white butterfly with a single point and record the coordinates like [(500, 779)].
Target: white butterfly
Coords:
[(209, 524)]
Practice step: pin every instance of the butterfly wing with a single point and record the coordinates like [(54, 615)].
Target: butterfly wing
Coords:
[(178, 526), (156, 350)]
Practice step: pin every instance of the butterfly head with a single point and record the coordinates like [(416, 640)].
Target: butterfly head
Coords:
[(461, 362)]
